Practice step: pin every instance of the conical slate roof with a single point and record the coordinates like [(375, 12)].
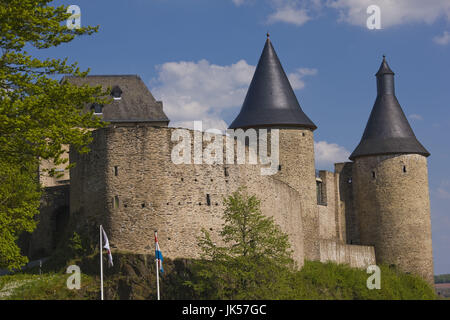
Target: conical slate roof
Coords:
[(270, 100), (387, 131)]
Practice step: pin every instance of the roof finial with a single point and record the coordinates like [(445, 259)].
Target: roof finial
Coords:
[(384, 57), (268, 35)]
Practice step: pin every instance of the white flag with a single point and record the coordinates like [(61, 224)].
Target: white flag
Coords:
[(106, 246)]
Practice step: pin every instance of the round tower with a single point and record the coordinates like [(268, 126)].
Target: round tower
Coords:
[(390, 178), (271, 103)]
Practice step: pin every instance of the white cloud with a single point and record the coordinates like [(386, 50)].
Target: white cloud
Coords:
[(415, 116), (443, 40), (392, 12), (203, 91), (296, 78), (207, 123), (289, 14), (327, 154)]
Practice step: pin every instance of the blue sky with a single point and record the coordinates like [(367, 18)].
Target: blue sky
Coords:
[(198, 56)]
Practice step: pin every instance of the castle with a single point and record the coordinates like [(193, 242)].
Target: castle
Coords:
[(373, 209)]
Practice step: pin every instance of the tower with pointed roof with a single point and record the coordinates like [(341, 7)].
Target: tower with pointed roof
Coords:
[(271, 103), (390, 181)]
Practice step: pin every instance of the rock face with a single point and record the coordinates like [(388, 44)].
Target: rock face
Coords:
[(133, 277)]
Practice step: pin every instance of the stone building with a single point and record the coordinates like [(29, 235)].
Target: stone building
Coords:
[(368, 211)]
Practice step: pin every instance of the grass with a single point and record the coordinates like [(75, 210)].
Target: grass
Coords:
[(318, 281), (48, 286), (332, 281)]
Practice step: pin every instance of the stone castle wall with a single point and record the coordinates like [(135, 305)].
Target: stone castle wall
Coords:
[(347, 207), (129, 184), (62, 176), (393, 208), (298, 171), (353, 255)]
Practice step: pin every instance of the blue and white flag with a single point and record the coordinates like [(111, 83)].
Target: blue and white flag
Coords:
[(158, 254)]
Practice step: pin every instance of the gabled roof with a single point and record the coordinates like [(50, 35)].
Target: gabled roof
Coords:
[(387, 130), (270, 100), (136, 103)]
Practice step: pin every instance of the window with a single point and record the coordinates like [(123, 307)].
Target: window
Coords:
[(404, 169), (116, 170), (373, 174), (225, 171), (116, 93), (319, 189), (279, 167), (97, 108), (116, 202), (208, 200)]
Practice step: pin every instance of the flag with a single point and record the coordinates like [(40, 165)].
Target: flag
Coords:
[(106, 246), (158, 254)]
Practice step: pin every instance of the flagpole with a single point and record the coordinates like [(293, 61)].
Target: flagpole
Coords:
[(101, 264), (157, 269)]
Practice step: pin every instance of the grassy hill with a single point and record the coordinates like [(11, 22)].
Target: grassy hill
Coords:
[(133, 277)]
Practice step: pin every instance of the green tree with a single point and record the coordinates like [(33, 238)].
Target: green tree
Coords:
[(38, 113), (19, 198), (254, 260)]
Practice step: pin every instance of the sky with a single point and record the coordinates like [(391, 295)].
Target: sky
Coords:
[(198, 57)]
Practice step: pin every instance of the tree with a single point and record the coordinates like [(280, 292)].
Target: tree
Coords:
[(254, 261), (19, 198), (38, 113)]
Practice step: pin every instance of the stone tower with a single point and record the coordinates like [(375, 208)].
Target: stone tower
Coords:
[(390, 181), (271, 103)]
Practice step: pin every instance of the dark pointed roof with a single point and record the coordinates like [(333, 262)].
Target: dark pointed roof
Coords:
[(270, 100), (387, 130), (384, 68)]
